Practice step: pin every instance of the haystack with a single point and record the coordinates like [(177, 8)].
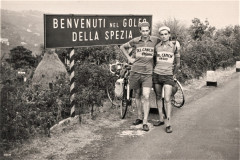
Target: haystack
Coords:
[(49, 70)]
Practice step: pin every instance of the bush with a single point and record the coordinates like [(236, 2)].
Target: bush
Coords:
[(26, 110), (91, 82), (92, 75), (209, 54), (21, 57)]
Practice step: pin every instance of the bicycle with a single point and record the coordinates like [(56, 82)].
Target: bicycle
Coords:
[(121, 71)]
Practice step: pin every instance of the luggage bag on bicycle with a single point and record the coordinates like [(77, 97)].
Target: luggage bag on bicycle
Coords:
[(118, 91)]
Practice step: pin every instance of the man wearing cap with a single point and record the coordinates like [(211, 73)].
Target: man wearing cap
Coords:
[(141, 73), (164, 73)]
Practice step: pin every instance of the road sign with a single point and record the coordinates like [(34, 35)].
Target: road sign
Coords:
[(67, 31)]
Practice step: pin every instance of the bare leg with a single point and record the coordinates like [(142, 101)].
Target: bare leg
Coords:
[(145, 99), (138, 103), (158, 92), (167, 98)]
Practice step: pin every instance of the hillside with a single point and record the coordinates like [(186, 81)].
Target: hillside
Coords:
[(22, 28)]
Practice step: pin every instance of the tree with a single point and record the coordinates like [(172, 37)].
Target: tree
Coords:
[(99, 54), (21, 57), (236, 43), (199, 29), (230, 38)]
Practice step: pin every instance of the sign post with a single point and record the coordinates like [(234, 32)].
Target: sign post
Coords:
[(70, 31), (72, 83)]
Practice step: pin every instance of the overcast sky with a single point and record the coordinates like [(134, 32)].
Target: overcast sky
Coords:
[(218, 13)]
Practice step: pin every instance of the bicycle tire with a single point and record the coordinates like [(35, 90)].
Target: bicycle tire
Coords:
[(178, 99), (124, 102)]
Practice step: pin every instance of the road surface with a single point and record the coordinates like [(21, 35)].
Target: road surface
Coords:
[(205, 128)]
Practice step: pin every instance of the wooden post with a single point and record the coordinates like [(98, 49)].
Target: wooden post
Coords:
[(72, 84)]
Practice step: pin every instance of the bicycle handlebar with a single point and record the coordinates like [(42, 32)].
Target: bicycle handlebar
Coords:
[(119, 65)]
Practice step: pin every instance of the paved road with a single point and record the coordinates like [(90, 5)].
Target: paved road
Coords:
[(207, 128)]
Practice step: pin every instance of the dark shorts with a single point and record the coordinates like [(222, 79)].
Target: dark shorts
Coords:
[(138, 80), (163, 79)]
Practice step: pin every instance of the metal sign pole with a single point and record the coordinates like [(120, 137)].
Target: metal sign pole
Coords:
[(72, 84)]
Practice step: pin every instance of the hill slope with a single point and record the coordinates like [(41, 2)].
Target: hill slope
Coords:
[(22, 28)]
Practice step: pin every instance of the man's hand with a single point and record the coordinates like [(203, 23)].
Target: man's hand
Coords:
[(131, 60)]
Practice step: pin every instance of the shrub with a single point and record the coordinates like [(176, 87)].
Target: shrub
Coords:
[(26, 110), (91, 82), (204, 55)]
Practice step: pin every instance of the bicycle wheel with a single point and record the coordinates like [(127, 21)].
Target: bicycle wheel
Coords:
[(111, 96), (178, 99), (124, 102)]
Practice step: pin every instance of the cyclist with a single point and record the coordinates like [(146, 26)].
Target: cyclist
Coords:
[(141, 73), (164, 74)]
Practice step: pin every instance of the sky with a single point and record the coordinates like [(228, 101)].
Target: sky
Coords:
[(218, 13)]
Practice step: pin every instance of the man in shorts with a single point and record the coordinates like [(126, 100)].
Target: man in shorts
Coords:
[(164, 73), (141, 72)]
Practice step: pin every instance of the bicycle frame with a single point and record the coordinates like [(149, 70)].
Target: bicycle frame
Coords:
[(126, 81)]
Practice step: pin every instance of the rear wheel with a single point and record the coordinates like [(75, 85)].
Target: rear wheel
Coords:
[(178, 99)]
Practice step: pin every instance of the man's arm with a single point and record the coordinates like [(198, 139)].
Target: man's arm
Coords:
[(155, 57), (125, 52), (176, 67), (177, 60)]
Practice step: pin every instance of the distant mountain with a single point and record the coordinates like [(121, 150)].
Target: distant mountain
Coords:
[(21, 28)]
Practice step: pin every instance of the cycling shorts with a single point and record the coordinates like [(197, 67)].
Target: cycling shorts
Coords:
[(163, 79), (138, 80)]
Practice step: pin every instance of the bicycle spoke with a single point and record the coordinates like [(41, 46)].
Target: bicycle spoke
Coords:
[(178, 99)]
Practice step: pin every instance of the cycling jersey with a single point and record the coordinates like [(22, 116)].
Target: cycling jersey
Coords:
[(165, 54), (143, 54)]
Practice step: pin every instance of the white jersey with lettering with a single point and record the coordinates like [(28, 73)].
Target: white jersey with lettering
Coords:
[(165, 54), (143, 54)]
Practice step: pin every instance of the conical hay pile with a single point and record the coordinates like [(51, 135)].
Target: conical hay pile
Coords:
[(49, 69)]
